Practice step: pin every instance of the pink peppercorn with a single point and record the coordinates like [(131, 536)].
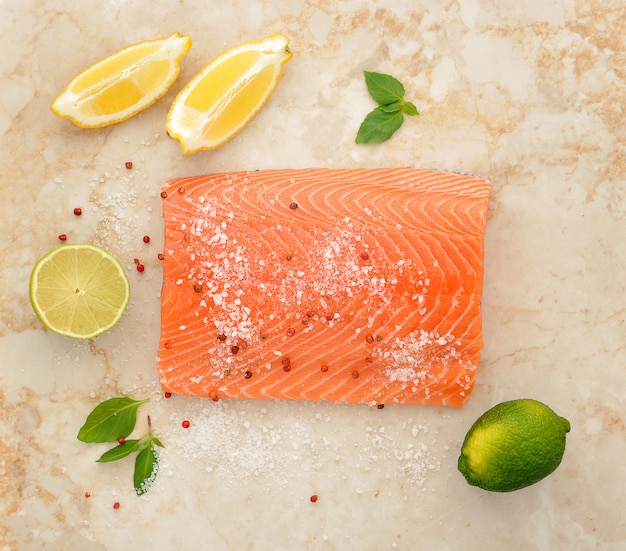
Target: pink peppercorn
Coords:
[(62, 237), (140, 267), (146, 239), (78, 211), (116, 505), (324, 368), (185, 424), (355, 374), (128, 164), (314, 498), (167, 394)]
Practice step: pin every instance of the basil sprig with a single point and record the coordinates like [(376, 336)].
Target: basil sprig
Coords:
[(381, 123), (112, 421)]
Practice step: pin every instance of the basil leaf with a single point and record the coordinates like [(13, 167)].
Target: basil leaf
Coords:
[(122, 450), (110, 420), (378, 126), (146, 466), (392, 107), (409, 109), (383, 88)]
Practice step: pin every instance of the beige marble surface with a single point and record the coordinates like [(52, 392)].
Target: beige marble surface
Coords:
[(530, 94)]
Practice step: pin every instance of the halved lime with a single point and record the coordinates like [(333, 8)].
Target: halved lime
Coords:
[(79, 291)]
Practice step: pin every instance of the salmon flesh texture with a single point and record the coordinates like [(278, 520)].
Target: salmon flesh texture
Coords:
[(348, 285)]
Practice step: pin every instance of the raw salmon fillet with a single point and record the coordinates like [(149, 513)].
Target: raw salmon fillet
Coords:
[(349, 285)]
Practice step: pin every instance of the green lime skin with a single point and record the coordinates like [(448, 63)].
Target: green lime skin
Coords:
[(513, 445)]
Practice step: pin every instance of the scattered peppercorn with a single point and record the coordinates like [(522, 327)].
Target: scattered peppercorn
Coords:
[(140, 267), (234, 349), (168, 345), (369, 361), (369, 339), (378, 338), (121, 440), (324, 368), (213, 396), (164, 194), (167, 394), (364, 255), (380, 406), (181, 189), (128, 165), (87, 495), (78, 211), (293, 206), (146, 239), (221, 337), (62, 237), (247, 374), (185, 424), (289, 257), (160, 256), (197, 287), (355, 374), (291, 332), (116, 505), (314, 498)]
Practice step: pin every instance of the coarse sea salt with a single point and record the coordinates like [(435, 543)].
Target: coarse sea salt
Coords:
[(271, 445)]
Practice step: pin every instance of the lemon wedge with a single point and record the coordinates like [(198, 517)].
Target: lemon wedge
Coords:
[(227, 93), (122, 84), (79, 291)]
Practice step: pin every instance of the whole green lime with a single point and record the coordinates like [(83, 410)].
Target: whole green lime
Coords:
[(513, 445)]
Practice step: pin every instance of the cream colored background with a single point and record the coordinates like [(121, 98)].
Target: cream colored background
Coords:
[(530, 94)]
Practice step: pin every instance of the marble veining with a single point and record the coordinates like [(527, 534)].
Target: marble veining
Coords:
[(530, 94)]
